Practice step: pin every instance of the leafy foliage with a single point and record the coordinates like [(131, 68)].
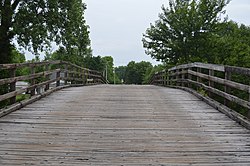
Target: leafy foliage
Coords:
[(36, 23), (120, 72), (231, 45), (94, 63), (182, 33), (17, 57), (109, 62), (151, 71), (135, 72)]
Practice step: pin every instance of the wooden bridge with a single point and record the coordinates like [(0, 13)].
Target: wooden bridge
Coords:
[(121, 124)]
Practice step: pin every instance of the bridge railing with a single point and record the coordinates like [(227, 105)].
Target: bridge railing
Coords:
[(229, 85), (44, 76)]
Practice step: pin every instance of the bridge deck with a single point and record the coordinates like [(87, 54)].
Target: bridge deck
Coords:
[(121, 125)]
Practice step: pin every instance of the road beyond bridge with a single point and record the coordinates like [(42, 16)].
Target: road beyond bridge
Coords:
[(122, 125)]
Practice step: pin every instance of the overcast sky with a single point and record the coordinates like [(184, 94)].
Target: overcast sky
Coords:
[(116, 26)]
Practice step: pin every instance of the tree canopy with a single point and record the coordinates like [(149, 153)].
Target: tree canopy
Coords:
[(34, 24), (231, 45), (184, 29), (134, 72)]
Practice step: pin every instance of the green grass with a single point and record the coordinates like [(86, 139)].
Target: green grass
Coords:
[(22, 97), (203, 92)]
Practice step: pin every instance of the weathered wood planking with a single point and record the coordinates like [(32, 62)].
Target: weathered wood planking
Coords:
[(199, 75), (122, 125), (45, 77)]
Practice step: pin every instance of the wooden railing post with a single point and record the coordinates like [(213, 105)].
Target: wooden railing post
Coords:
[(79, 70), (58, 73), (47, 68), (211, 83), (248, 114), (84, 77), (32, 81), (189, 78), (76, 75), (171, 78), (88, 76), (65, 74), (13, 85), (70, 75), (198, 79), (167, 72), (176, 77), (228, 76), (73, 75), (153, 80), (182, 77)]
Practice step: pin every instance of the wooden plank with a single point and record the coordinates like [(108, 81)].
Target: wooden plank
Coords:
[(12, 94), (209, 66), (227, 89), (238, 70), (28, 77), (121, 125), (210, 83), (221, 81), (22, 104), (78, 67), (32, 81), (184, 66), (13, 85), (177, 73), (72, 79), (225, 95), (47, 76), (20, 91), (21, 65), (248, 114), (199, 65), (225, 110)]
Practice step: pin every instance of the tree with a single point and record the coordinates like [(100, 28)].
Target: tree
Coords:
[(90, 62), (16, 56), (121, 72), (109, 63), (62, 54), (151, 71), (182, 33), (36, 23), (75, 34), (94, 63), (135, 72), (231, 45)]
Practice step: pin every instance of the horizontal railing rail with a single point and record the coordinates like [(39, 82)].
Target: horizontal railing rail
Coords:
[(228, 85), (44, 76)]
